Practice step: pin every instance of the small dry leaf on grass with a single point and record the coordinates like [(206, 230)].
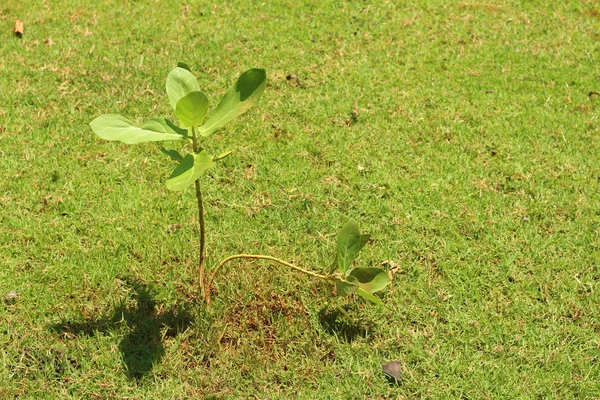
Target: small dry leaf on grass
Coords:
[(355, 109), (11, 296), (392, 371), (393, 268), (174, 228), (19, 28)]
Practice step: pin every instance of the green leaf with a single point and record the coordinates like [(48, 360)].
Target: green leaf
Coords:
[(333, 265), (238, 99), (345, 287), (349, 243), (160, 124), (188, 170), (222, 156), (180, 82), (191, 109), (370, 280), (370, 297), (116, 127), (183, 65), (173, 154)]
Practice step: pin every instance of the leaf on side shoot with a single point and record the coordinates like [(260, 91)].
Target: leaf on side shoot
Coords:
[(116, 127), (345, 287), (180, 82), (191, 109), (370, 280), (238, 99), (188, 170), (349, 243), (333, 265)]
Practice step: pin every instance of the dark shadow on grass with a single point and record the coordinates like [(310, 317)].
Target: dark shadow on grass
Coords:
[(334, 322), (142, 346)]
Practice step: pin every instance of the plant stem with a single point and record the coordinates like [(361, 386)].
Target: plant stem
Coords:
[(255, 257), (203, 290)]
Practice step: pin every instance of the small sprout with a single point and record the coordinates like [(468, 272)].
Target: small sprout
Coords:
[(365, 280), (190, 106)]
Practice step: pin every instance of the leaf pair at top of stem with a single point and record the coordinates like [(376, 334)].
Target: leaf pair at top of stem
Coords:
[(190, 106)]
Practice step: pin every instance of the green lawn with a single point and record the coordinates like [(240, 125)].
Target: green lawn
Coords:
[(462, 135)]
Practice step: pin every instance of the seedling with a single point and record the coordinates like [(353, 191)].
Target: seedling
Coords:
[(191, 106)]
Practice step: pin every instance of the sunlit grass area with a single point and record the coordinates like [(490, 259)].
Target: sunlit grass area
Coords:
[(463, 136)]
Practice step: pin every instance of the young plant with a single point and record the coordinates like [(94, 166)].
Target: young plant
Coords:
[(190, 106), (346, 278)]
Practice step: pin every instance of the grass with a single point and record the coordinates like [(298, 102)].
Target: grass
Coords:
[(462, 135)]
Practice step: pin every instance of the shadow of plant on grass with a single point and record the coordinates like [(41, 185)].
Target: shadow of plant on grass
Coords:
[(334, 322), (147, 323)]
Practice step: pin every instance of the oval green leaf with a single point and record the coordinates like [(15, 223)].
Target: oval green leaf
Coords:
[(346, 287), (180, 82), (237, 100), (191, 109), (116, 127), (370, 280), (172, 154), (349, 243), (183, 65), (188, 170)]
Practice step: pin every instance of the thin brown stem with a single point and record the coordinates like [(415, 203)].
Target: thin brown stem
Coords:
[(201, 223), (255, 257)]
